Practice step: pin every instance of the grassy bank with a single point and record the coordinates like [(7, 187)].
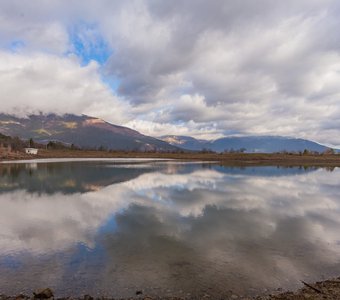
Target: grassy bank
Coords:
[(232, 159)]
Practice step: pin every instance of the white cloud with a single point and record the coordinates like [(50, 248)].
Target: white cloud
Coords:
[(36, 32), (154, 128), (46, 83)]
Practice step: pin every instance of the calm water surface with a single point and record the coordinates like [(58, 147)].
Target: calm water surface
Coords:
[(110, 228)]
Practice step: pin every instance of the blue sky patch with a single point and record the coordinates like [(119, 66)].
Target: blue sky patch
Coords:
[(16, 45), (110, 82), (88, 44)]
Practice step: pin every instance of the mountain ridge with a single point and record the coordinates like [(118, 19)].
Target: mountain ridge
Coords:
[(249, 144), (80, 130)]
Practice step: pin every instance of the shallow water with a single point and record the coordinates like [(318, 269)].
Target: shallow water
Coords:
[(110, 228)]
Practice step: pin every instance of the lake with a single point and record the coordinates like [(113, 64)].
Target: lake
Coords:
[(114, 227)]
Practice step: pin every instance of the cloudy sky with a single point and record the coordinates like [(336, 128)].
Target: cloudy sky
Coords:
[(193, 67)]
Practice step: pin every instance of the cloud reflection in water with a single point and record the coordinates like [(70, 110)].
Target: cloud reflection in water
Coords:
[(170, 229)]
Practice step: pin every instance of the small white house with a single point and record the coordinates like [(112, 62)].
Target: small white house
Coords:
[(33, 151)]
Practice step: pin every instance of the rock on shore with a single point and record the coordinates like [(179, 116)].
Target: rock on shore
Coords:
[(328, 289)]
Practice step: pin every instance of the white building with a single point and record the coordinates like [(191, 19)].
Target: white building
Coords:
[(33, 151)]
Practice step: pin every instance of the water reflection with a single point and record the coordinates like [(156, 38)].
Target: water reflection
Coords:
[(65, 177), (166, 228)]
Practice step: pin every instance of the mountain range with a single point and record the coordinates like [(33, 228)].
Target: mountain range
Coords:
[(249, 144), (93, 133), (82, 131)]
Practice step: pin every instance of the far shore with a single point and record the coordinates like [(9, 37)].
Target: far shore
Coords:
[(230, 159)]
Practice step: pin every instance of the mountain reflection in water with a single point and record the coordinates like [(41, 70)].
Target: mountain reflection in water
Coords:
[(165, 228)]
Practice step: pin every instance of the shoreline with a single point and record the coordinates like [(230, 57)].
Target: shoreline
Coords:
[(326, 289), (228, 159)]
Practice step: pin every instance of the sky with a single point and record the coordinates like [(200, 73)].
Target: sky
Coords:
[(194, 67)]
